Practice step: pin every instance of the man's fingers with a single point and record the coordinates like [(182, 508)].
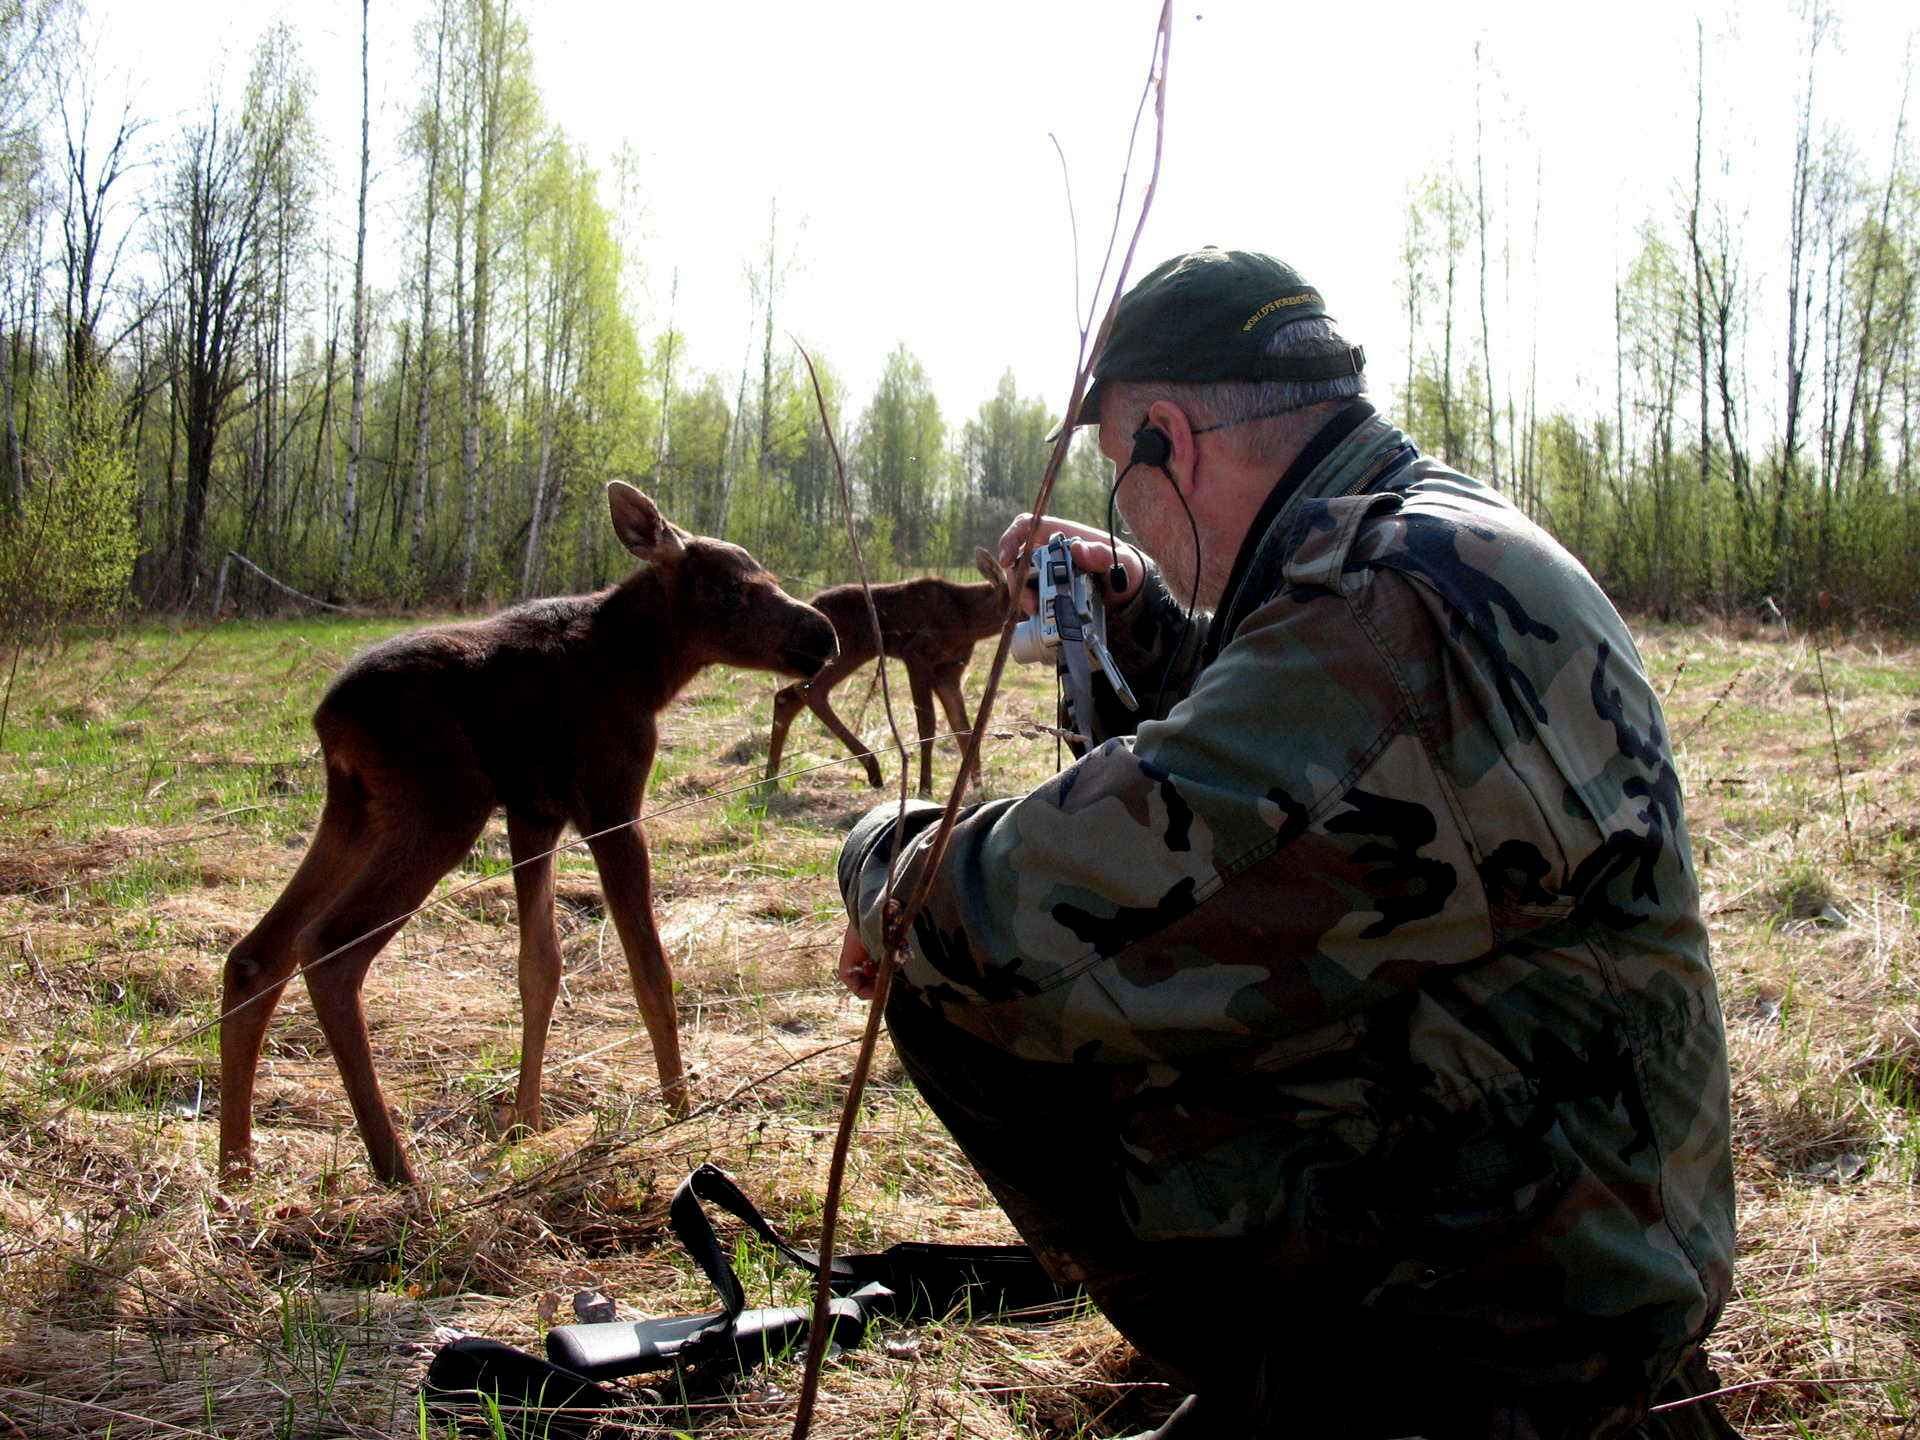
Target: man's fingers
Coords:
[(1091, 553), (856, 968), (1118, 567), (1016, 534)]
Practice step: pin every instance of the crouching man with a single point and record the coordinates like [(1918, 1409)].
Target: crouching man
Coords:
[(1347, 1029)]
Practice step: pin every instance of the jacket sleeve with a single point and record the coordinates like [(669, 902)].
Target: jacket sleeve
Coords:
[(1257, 845)]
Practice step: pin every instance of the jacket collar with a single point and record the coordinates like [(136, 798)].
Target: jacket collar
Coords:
[(1353, 451)]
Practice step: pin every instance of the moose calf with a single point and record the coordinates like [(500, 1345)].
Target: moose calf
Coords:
[(546, 710), (930, 625)]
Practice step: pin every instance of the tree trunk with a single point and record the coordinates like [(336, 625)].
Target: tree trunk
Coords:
[(1486, 332), (422, 421), (323, 432), (1700, 264), (16, 462), (530, 561), (1619, 389), (202, 431), (478, 494), (666, 399), (356, 418), (399, 484), (469, 445), (1449, 441), (1799, 326)]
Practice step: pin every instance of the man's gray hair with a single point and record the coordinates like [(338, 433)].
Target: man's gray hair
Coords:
[(1235, 402)]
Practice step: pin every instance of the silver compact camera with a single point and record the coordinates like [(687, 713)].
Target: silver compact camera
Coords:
[(1069, 628)]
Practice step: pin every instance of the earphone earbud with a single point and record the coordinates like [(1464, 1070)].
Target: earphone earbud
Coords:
[(1151, 447)]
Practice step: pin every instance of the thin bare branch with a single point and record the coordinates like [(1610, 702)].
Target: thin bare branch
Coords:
[(897, 920), (1073, 227), (869, 1038), (1157, 84)]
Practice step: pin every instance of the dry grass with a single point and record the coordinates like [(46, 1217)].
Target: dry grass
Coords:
[(139, 1299)]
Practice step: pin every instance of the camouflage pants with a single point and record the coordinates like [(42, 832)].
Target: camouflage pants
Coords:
[(1273, 1350)]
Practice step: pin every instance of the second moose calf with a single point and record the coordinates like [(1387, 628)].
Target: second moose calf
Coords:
[(930, 625)]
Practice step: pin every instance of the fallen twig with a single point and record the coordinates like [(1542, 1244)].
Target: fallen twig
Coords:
[(108, 1411), (1726, 1390), (1833, 736), (221, 585), (67, 791), (171, 670), (1718, 701), (32, 957)]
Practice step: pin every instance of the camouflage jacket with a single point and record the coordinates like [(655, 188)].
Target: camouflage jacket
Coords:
[(1387, 934)]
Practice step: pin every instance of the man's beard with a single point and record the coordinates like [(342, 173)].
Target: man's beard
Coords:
[(1158, 520)]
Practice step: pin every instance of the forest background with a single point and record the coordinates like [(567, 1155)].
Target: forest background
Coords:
[(212, 343)]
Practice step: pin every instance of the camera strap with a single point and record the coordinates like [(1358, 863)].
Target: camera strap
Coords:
[(1076, 673), (1072, 624), (905, 1282)]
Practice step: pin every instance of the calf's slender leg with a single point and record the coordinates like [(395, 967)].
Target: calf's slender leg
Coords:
[(817, 702), (813, 695), (411, 847), (621, 855), (946, 685), (920, 682), (259, 966), (531, 841), (788, 701)]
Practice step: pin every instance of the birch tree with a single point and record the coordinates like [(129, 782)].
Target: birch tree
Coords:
[(356, 420)]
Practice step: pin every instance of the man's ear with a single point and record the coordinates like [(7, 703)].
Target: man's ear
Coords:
[(640, 525), (1172, 421)]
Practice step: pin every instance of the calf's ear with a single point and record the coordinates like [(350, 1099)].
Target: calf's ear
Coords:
[(640, 525), (988, 566)]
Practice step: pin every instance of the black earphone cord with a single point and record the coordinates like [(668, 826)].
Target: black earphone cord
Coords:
[(1152, 448)]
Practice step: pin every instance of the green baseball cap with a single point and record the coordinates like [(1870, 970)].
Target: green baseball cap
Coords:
[(1205, 317)]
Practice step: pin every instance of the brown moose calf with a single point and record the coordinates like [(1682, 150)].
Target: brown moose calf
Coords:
[(546, 711)]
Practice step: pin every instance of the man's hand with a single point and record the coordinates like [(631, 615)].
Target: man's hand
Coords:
[(858, 970), (1091, 554)]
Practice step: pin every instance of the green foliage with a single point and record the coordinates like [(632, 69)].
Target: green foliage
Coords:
[(1660, 482), (1080, 491), (67, 554), (1003, 451), (693, 481), (27, 30), (519, 365), (901, 460), (788, 509)]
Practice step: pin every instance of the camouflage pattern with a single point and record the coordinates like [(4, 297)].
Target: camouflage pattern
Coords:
[(1385, 943)]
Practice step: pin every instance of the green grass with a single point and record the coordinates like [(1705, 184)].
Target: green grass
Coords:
[(157, 786), (156, 726)]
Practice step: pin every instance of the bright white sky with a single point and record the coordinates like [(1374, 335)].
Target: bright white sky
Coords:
[(907, 148)]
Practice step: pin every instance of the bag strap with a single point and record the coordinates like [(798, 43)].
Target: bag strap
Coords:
[(924, 1279), (695, 1231)]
